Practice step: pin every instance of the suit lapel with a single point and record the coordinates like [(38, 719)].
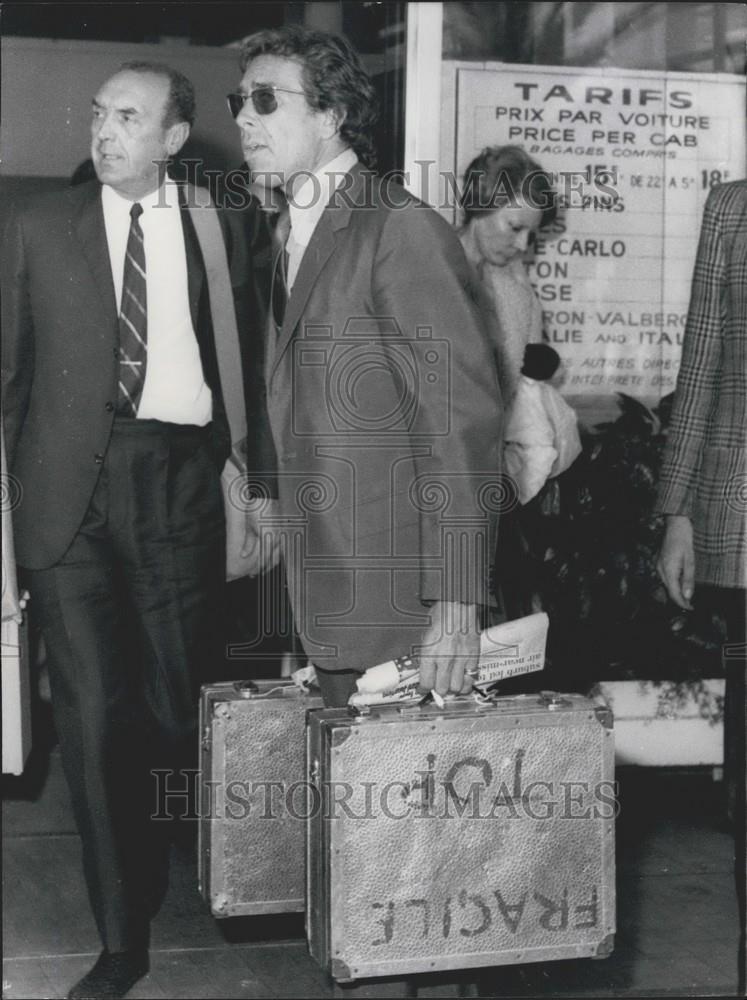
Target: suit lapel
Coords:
[(91, 233), (195, 267), (335, 217), (315, 257)]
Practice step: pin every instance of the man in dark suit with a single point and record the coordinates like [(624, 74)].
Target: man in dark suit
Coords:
[(702, 489), (382, 395), (116, 428)]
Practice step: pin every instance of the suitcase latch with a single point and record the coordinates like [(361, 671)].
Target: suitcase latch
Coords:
[(553, 701)]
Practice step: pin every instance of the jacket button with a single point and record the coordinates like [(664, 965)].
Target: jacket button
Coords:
[(98, 458), (109, 407)]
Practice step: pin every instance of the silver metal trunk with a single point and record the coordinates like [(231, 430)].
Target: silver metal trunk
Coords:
[(476, 835), (253, 791)]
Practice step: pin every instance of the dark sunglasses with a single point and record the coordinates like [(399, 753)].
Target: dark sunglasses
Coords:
[(263, 100)]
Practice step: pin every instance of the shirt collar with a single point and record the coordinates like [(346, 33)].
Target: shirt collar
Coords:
[(165, 195), (310, 200)]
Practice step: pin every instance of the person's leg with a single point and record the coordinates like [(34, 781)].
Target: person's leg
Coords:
[(735, 710), (729, 603), (79, 608), (514, 570), (336, 686), (171, 539)]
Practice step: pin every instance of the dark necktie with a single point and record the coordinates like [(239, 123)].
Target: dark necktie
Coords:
[(133, 320), (280, 268)]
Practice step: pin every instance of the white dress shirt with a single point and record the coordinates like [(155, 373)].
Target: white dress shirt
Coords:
[(307, 205), (175, 390)]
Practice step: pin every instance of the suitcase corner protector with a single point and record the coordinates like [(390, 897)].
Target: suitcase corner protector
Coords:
[(605, 947), (604, 716), (339, 736), (340, 972), (219, 905)]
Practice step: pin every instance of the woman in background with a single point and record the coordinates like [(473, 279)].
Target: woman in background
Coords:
[(507, 198)]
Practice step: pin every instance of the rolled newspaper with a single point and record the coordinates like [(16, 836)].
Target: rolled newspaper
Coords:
[(512, 648), (506, 650), (386, 676)]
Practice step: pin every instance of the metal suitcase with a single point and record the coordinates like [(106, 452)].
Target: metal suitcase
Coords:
[(252, 794), (473, 835)]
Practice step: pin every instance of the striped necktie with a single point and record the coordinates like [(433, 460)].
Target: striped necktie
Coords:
[(133, 320), (280, 268)]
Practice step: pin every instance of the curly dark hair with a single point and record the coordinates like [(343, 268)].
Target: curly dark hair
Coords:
[(333, 77), (502, 175), (180, 104)]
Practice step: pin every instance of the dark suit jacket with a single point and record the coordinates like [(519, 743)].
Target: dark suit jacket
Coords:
[(385, 411), (705, 463), (60, 333)]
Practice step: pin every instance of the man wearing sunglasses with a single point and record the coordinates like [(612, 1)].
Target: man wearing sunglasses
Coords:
[(382, 392), (114, 401)]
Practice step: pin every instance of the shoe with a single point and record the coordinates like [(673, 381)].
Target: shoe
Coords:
[(112, 976)]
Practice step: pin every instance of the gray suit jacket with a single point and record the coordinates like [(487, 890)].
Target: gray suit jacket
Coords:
[(385, 412)]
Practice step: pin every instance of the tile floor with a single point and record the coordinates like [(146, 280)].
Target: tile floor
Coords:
[(677, 920)]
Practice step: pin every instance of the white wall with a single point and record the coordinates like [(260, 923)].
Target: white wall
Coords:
[(47, 88)]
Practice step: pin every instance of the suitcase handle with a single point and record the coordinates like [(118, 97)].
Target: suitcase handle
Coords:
[(249, 689), (425, 704), (550, 700)]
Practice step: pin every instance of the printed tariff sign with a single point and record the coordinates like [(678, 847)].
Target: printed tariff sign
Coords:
[(634, 156)]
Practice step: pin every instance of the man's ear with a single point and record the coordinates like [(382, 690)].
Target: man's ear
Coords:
[(176, 136), (333, 121)]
